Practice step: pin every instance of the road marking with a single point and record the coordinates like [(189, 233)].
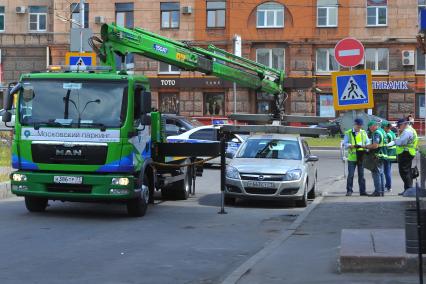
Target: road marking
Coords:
[(349, 52), (245, 267)]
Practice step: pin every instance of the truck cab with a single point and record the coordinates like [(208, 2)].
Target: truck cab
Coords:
[(81, 137)]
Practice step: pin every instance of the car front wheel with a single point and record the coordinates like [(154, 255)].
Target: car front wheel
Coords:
[(304, 201)]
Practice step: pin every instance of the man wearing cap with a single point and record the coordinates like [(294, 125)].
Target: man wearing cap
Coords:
[(378, 148), (406, 146), (391, 154), (355, 140)]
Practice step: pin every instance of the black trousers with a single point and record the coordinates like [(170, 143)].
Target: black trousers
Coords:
[(405, 161)]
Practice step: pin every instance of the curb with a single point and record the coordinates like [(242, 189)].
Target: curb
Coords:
[(245, 267), (5, 190)]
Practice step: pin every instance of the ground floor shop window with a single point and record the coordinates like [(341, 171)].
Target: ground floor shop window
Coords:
[(214, 104), (265, 103), (325, 107), (420, 105), (169, 103), (381, 105)]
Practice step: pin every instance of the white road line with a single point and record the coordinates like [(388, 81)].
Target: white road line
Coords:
[(349, 52), (271, 246)]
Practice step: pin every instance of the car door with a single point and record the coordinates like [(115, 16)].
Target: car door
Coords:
[(310, 166)]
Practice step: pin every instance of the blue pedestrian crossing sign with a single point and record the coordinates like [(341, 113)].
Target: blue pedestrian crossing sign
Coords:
[(80, 58), (352, 90)]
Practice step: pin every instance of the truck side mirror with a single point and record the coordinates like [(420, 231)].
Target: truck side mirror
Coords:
[(8, 98), (6, 117), (146, 103)]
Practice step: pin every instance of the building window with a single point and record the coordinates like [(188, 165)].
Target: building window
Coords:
[(270, 15), (75, 16), (327, 13), (271, 57), (164, 68), (1, 18), (420, 61), (124, 15), (169, 103), (381, 105), (170, 12), (325, 105), (420, 105), (37, 18), (214, 104), (421, 5), (377, 59), (326, 62), (377, 13), (265, 103), (216, 13)]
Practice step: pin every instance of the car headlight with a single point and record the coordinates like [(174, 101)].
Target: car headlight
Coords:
[(292, 175), (19, 177), (120, 181), (232, 172)]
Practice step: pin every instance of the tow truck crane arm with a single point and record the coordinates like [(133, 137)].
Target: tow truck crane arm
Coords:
[(121, 41)]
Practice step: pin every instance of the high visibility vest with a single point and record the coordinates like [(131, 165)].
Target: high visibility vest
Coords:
[(381, 152), (391, 149), (360, 139), (411, 146)]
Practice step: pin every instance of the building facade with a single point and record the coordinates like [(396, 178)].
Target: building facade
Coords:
[(297, 36)]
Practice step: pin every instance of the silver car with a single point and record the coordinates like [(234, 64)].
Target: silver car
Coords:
[(271, 167)]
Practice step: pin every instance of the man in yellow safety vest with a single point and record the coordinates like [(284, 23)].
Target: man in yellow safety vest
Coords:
[(406, 148), (391, 154), (355, 140)]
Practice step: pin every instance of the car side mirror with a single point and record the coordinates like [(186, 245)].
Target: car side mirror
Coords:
[(229, 155), (6, 117), (312, 158)]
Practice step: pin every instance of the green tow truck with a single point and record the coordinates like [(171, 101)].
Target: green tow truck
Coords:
[(87, 134)]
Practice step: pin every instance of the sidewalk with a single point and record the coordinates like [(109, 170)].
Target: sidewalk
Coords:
[(310, 255)]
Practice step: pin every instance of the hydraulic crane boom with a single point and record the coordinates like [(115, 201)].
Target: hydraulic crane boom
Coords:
[(117, 40)]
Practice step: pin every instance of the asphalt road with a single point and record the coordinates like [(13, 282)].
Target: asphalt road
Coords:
[(176, 242)]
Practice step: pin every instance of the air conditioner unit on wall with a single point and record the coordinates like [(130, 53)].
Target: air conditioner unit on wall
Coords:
[(408, 57), (100, 20), (21, 10), (187, 10)]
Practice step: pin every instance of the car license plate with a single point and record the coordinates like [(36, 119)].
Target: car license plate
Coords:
[(260, 184), (68, 179)]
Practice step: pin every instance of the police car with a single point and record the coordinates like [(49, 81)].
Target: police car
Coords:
[(208, 134)]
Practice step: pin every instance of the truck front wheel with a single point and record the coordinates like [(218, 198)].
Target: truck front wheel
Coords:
[(137, 207), (35, 204)]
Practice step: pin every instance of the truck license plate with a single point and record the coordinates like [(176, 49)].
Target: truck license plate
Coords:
[(68, 179), (260, 184)]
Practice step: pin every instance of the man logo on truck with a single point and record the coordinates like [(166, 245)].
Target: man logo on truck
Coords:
[(60, 152)]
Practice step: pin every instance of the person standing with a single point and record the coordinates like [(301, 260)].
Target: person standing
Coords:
[(406, 147), (391, 155), (355, 140), (377, 148)]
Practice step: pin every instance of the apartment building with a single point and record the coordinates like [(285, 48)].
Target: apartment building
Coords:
[(297, 36)]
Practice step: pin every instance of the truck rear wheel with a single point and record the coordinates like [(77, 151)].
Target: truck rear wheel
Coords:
[(179, 190), (35, 204), (137, 207)]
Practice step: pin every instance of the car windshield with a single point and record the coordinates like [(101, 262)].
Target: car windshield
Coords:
[(270, 149), (73, 103)]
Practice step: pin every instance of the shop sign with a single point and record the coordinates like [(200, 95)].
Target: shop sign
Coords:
[(189, 83), (390, 85)]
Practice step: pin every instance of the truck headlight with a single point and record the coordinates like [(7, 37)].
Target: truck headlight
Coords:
[(19, 177), (120, 181), (232, 172), (292, 175)]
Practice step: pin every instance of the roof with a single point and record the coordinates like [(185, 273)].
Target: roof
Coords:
[(275, 136)]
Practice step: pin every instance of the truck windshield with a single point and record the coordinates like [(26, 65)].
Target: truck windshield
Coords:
[(73, 103)]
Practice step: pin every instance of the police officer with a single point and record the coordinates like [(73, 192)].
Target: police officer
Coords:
[(406, 145), (355, 140), (378, 148), (391, 155)]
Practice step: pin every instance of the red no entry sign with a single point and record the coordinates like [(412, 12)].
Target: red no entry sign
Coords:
[(349, 52)]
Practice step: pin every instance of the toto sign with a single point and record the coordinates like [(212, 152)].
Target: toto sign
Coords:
[(349, 52)]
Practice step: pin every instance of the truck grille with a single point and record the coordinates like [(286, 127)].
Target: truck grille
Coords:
[(69, 188), (77, 155)]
